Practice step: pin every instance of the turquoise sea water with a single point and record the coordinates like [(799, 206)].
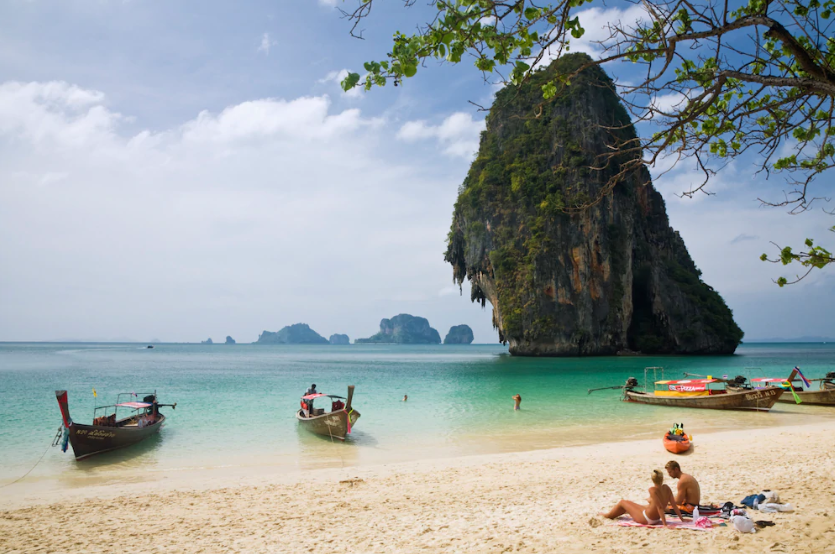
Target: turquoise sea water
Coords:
[(236, 404)]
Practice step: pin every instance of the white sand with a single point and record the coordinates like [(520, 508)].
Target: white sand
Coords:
[(542, 501)]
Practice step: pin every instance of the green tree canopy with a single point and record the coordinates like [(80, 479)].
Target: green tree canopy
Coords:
[(717, 80)]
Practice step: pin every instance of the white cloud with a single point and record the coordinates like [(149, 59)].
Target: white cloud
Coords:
[(266, 44), (262, 214), (458, 134), (337, 77), (329, 3), (595, 21)]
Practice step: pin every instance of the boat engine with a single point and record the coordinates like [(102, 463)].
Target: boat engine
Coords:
[(631, 383), (739, 382)]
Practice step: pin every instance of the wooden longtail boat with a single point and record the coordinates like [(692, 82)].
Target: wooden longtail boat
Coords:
[(335, 424), (707, 393), (108, 431), (697, 393), (823, 396)]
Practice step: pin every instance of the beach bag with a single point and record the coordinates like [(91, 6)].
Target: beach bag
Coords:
[(743, 524)]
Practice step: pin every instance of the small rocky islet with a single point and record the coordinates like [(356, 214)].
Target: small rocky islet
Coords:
[(459, 334), (404, 329)]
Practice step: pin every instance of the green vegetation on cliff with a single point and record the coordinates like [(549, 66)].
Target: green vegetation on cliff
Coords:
[(563, 277)]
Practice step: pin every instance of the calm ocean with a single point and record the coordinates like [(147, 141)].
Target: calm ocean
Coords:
[(236, 404)]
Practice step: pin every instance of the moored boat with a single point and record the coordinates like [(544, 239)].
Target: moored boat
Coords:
[(337, 423), (824, 395), (108, 432), (708, 394)]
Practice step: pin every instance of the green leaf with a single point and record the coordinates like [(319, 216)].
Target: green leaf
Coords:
[(350, 81), (409, 70)]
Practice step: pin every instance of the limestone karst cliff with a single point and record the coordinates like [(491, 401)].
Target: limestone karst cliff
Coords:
[(298, 333), (611, 277), (404, 329), (459, 334)]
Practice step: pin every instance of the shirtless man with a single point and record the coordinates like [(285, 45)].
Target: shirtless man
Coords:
[(688, 494)]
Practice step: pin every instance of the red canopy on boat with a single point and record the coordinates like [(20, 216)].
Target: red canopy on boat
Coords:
[(134, 405), (688, 382), (312, 396), (769, 380)]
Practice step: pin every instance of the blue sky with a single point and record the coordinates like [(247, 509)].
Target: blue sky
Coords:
[(181, 170)]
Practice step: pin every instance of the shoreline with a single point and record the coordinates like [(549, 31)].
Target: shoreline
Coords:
[(44, 489), (522, 501)]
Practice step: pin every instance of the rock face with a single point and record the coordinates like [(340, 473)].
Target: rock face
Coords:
[(207, 341), (299, 333), (404, 329), (339, 339), (598, 280), (459, 334), (230, 340)]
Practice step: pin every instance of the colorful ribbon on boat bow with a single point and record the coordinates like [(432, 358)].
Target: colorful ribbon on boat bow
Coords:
[(791, 388), (348, 417)]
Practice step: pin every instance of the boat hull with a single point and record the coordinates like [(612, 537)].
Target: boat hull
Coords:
[(757, 400), (89, 440), (333, 425), (823, 397)]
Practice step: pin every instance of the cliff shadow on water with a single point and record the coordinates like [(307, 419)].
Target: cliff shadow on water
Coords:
[(562, 282)]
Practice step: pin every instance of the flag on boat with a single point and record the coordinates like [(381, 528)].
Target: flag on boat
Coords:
[(94, 394), (806, 382)]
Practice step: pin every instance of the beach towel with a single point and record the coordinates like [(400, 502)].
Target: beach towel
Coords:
[(672, 522)]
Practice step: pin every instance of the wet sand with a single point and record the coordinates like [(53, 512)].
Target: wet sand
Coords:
[(542, 501)]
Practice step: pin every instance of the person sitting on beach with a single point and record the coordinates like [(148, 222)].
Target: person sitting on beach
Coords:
[(688, 493), (660, 496), (517, 401)]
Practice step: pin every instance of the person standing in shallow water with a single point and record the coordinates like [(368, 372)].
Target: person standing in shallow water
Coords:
[(405, 397), (517, 401)]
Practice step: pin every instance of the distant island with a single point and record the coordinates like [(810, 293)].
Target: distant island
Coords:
[(207, 341), (339, 339), (404, 329), (459, 334), (299, 333), (230, 340)]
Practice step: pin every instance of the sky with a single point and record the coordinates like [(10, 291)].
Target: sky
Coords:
[(185, 170)]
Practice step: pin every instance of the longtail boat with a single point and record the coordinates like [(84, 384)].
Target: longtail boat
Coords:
[(707, 393), (109, 431), (336, 423), (702, 393), (823, 396)]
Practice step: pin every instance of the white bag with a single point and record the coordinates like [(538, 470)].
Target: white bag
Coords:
[(743, 524), (771, 496)]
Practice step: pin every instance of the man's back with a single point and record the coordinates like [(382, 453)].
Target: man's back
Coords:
[(688, 491)]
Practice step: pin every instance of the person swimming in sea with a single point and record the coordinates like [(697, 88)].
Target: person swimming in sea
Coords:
[(405, 397), (517, 401)]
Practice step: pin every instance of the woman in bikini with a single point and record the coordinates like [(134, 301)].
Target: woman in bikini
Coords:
[(660, 496)]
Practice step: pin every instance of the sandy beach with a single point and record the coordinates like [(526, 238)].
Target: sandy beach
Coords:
[(543, 501)]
